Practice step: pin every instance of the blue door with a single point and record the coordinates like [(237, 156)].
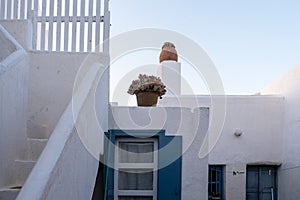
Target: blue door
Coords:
[(261, 183)]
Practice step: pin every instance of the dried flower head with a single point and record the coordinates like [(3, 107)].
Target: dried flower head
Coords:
[(168, 44), (146, 83)]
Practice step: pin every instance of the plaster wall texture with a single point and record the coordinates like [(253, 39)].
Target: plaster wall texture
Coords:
[(21, 30), (13, 113), (170, 73), (192, 126), (259, 118), (289, 86), (8, 47), (102, 106), (52, 76), (260, 121), (65, 169), (13, 118), (51, 79), (75, 174), (194, 169)]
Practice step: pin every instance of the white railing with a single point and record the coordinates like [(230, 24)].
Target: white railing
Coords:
[(63, 25)]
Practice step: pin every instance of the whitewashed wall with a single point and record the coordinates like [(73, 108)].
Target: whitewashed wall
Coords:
[(192, 126), (65, 169), (51, 82), (20, 30), (260, 119), (289, 86), (13, 106), (52, 77)]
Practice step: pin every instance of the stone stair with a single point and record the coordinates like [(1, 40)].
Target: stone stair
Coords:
[(36, 143), (10, 193)]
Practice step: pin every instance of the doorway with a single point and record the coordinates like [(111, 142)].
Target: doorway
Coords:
[(261, 183)]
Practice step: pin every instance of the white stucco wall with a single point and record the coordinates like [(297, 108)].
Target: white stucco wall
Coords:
[(75, 174), (51, 80), (261, 121), (68, 166), (52, 76), (194, 169), (13, 108), (21, 30), (289, 86), (65, 169), (191, 125), (8, 47)]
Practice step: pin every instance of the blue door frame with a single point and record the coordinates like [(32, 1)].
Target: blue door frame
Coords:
[(170, 151)]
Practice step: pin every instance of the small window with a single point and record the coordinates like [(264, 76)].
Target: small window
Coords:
[(135, 174), (215, 182)]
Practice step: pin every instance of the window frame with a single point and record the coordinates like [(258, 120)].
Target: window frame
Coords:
[(221, 182), (147, 166), (172, 152)]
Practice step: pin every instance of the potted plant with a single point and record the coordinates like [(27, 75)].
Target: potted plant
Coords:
[(147, 89), (216, 195)]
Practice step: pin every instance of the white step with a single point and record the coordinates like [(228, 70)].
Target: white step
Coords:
[(9, 194), (23, 169), (35, 130), (35, 147)]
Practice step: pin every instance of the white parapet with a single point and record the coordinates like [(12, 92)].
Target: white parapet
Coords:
[(170, 73)]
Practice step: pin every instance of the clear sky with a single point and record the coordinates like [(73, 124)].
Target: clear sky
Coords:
[(251, 43)]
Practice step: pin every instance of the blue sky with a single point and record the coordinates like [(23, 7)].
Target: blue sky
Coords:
[(251, 43)]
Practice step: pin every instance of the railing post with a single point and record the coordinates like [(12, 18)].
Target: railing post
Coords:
[(32, 16), (74, 26), (82, 27), (43, 25), (8, 9), (98, 22), (58, 25), (22, 9), (66, 31), (2, 11), (90, 23), (29, 8), (106, 31), (50, 30), (15, 9)]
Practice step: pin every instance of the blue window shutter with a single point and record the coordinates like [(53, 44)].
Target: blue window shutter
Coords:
[(169, 177), (109, 159)]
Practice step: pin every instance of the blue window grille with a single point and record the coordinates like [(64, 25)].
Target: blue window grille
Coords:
[(216, 182)]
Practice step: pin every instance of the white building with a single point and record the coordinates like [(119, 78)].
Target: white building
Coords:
[(51, 141)]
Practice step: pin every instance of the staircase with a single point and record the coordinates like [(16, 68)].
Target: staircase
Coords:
[(37, 139)]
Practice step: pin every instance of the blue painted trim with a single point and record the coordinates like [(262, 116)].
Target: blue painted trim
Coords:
[(169, 177), (219, 180)]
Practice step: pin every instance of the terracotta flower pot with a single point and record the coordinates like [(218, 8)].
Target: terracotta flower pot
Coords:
[(168, 52), (147, 98)]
